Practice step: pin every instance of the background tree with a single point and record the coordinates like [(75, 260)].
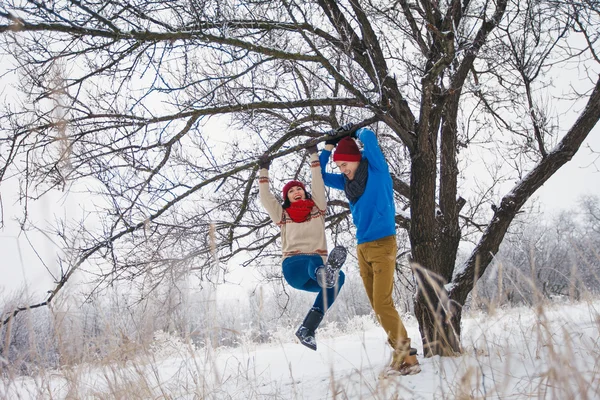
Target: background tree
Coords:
[(545, 258), (116, 97)]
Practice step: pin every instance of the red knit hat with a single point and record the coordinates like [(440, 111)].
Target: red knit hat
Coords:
[(347, 150), (290, 185)]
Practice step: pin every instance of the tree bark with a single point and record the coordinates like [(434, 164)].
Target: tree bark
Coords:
[(431, 305)]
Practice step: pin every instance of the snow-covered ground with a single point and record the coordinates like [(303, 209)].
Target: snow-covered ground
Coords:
[(551, 352)]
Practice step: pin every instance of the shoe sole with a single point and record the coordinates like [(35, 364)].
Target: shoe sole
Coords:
[(335, 260), (302, 342), (337, 257), (406, 371)]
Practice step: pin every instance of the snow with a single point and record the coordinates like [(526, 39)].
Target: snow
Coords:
[(520, 353), (404, 214)]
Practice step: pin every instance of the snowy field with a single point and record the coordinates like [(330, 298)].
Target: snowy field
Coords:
[(546, 353)]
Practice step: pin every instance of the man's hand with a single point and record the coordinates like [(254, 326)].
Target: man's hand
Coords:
[(333, 141), (344, 130)]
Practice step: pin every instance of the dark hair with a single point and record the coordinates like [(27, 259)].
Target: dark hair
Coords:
[(286, 201)]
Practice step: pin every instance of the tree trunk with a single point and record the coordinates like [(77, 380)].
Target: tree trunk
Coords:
[(432, 307), (431, 303), (429, 256), (439, 320)]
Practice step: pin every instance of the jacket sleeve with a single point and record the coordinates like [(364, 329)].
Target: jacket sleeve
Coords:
[(371, 150), (317, 185), (267, 199), (335, 181)]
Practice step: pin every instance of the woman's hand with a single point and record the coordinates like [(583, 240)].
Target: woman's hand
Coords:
[(264, 161)]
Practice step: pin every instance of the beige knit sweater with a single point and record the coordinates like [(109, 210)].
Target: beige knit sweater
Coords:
[(298, 238)]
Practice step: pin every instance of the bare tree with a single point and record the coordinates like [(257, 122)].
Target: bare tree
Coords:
[(545, 257), (120, 93)]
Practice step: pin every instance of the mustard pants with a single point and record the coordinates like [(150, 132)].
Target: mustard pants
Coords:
[(377, 263)]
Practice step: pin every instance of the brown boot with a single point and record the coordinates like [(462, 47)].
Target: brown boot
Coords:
[(405, 363), (404, 360)]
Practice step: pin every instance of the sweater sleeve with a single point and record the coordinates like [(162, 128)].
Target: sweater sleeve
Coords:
[(317, 185), (267, 199), (335, 181), (371, 149)]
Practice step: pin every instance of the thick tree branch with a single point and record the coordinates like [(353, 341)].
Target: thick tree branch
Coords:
[(416, 32), (511, 203), (480, 39)]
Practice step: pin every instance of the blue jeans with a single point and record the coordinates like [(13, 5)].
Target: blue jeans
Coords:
[(300, 272)]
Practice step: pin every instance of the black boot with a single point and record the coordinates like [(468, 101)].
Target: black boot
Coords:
[(306, 332)]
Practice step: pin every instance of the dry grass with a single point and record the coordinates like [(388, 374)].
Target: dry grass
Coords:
[(546, 352), (549, 350)]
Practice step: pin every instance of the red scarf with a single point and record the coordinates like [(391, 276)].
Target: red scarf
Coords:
[(299, 211)]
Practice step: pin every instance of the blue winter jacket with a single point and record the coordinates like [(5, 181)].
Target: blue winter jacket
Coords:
[(374, 212)]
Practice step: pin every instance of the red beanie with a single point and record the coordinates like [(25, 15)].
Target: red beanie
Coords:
[(291, 184), (347, 150)]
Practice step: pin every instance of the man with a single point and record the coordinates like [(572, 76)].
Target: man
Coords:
[(365, 179)]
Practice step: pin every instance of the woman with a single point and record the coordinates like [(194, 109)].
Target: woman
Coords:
[(301, 219)]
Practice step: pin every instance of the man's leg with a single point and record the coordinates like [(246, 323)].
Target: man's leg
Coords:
[(381, 256), (366, 271)]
